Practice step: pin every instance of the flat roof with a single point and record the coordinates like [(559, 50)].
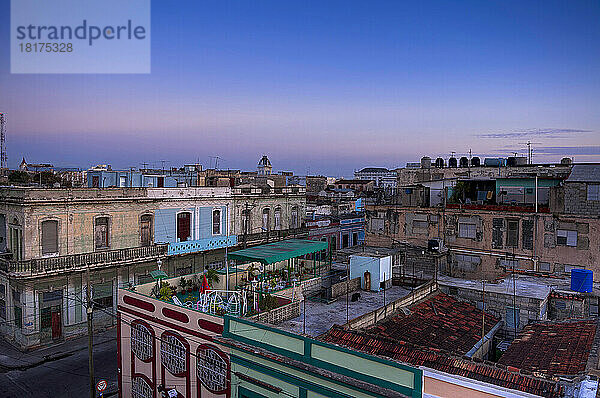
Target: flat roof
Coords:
[(279, 251), (529, 287)]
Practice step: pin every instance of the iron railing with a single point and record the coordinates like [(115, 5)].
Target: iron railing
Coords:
[(80, 261)]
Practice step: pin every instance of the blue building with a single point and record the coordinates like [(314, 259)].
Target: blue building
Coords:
[(187, 176)]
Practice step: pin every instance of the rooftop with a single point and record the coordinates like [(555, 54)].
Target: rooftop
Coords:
[(321, 316), (374, 170), (585, 173), (552, 348), (527, 286), (435, 359), (440, 322)]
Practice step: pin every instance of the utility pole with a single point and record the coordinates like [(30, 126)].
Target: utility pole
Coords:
[(90, 309), (483, 313)]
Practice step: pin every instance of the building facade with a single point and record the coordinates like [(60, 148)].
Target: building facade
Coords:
[(50, 238)]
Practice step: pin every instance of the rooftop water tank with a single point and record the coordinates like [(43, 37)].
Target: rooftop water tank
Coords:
[(493, 162), (582, 280), (452, 163), (464, 162), (439, 163), (425, 162), (475, 162), (566, 161)]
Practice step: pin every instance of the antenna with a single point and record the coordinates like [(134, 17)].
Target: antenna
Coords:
[(216, 158), (529, 150), (3, 157)]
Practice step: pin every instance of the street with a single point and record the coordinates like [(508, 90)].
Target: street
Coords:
[(62, 377)]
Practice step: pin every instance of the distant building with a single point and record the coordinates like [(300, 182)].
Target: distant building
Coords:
[(264, 166), (355, 185), (383, 178)]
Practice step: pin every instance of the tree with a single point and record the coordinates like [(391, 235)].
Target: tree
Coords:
[(212, 276)]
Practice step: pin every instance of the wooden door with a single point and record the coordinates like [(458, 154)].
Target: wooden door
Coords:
[(56, 324), (183, 226), (146, 230), (367, 280)]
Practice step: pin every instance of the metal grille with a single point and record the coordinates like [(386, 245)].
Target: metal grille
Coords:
[(172, 354), (212, 370), (140, 388), (142, 342)]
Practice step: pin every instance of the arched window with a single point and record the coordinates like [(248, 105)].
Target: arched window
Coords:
[(183, 226), (101, 234), (212, 369), (142, 342), (216, 222), (173, 354), (278, 218), (49, 237), (266, 222), (146, 229), (140, 388)]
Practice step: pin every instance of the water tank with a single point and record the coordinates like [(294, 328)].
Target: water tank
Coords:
[(475, 162), (493, 162), (425, 162), (516, 161), (566, 161), (439, 163), (464, 162), (452, 162), (582, 280)]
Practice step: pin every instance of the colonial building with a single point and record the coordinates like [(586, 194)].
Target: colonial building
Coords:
[(50, 238), (383, 178)]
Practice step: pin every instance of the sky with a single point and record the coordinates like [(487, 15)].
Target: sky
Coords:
[(324, 87)]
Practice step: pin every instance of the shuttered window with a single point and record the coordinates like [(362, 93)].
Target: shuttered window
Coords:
[(183, 226), (101, 234), (512, 235), (146, 229), (49, 237), (216, 222)]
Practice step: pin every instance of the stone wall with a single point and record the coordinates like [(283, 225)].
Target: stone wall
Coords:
[(577, 202), (280, 314), (339, 289)]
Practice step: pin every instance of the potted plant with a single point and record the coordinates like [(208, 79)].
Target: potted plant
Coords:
[(183, 283), (212, 276), (166, 292)]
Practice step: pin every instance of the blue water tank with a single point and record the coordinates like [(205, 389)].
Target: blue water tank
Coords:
[(582, 280)]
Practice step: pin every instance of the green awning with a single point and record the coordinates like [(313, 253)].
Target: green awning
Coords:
[(156, 274), (278, 251)]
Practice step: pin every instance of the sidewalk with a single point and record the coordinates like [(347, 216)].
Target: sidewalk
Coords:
[(11, 358)]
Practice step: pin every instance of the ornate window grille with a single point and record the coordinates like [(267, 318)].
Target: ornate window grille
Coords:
[(212, 370), (172, 354), (140, 388), (142, 342)]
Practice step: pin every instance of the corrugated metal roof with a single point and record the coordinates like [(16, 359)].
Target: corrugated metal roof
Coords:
[(585, 173), (279, 251)]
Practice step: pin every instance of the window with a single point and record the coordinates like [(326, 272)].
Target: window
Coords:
[(512, 235), (354, 238), (183, 226), (509, 264), (216, 222), (593, 192), (266, 224), (377, 224), (146, 229), (295, 217), (278, 218), (142, 342), (95, 182), (2, 301), (544, 267), (49, 237), (101, 233), (173, 354), (15, 243), (420, 226), (102, 295), (140, 388), (467, 230), (467, 263), (18, 312), (212, 369), (512, 318), (566, 238), (247, 228)]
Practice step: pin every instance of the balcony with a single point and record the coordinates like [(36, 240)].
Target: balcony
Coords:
[(79, 262)]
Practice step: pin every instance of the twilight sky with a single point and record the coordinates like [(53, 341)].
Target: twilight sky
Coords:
[(324, 87)]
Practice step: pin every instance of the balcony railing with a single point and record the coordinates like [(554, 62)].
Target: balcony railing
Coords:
[(81, 261), (273, 235)]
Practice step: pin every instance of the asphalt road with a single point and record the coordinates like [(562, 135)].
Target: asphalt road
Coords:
[(66, 377)]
